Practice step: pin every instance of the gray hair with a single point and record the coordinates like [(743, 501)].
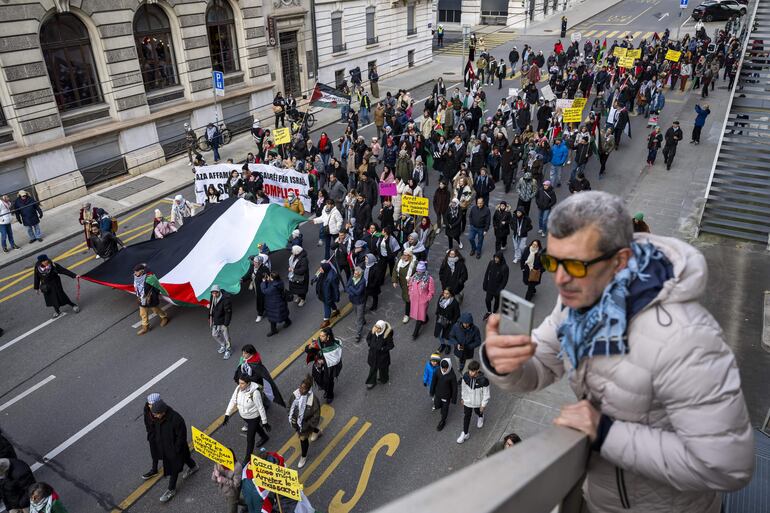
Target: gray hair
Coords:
[(602, 210)]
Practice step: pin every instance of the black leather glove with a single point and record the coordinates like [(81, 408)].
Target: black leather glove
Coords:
[(267, 427), (226, 420)]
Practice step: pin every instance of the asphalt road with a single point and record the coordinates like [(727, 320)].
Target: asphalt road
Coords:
[(377, 443)]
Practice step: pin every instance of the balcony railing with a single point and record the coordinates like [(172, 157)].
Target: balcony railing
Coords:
[(339, 48), (411, 31), (372, 40), (540, 475)]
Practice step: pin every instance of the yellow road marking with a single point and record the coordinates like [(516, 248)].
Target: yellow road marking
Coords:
[(648, 35), (636, 34), (391, 441), (601, 33), (326, 450), (612, 34), (589, 33), (327, 414), (623, 35), (338, 459)]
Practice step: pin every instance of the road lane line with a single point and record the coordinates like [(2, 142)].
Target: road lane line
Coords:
[(153, 315), (589, 33), (336, 462), (326, 450), (30, 332), (648, 35), (600, 34), (636, 34), (106, 415), (27, 392), (612, 34)]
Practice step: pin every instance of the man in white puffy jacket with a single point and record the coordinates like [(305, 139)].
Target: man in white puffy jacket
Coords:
[(331, 219), (474, 397), (659, 389), (247, 400)]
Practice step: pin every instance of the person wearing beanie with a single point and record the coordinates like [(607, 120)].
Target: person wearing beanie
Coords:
[(295, 239), (427, 373), (443, 389), (15, 479), (147, 289), (380, 342), (161, 227), (47, 279), (149, 426), (220, 314), (545, 199), (421, 290), (170, 434), (29, 214), (293, 203)]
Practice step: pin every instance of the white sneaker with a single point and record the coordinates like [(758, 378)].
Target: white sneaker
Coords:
[(244, 428), (258, 319), (463, 437), (302, 462), (480, 422), (313, 437), (461, 245), (515, 260), (221, 349), (97, 257), (405, 319), (301, 303), (320, 243), (226, 355)]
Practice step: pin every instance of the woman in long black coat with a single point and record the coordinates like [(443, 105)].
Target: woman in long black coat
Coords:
[(453, 223), (149, 426), (453, 273), (299, 274), (48, 281), (447, 313), (171, 443), (276, 307), (380, 342), (495, 280), (530, 259)]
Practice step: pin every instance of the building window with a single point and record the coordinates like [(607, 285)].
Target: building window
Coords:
[(223, 45), (370, 37), (410, 58), (70, 62), (449, 16), (154, 47), (339, 78), (3, 122), (411, 28), (337, 44)]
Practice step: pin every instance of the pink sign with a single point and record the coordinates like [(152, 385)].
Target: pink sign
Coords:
[(388, 189)]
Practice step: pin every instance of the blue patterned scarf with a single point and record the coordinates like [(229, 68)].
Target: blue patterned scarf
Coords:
[(602, 328)]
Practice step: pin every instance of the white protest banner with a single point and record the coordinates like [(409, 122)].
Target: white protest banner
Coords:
[(512, 92), (563, 103), (547, 93), (216, 175), (278, 182)]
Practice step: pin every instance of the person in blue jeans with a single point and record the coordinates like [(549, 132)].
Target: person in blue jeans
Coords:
[(545, 200), (29, 213), (559, 153), (214, 138), (479, 219), (6, 230)]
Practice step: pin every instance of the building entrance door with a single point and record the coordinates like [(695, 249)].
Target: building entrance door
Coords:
[(290, 63)]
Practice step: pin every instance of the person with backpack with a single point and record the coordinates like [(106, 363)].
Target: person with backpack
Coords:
[(474, 398)]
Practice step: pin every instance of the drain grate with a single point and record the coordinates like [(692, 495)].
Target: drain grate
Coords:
[(128, 189)]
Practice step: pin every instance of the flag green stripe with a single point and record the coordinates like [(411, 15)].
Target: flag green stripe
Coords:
[(274, 231)]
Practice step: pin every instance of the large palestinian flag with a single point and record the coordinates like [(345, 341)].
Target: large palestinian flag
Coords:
[(211, 248), (325, 96)]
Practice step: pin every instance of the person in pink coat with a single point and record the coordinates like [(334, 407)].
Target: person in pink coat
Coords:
[(421, 290)]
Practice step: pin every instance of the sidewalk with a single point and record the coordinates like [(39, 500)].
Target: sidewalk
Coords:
[(130, 193), (576, 14)]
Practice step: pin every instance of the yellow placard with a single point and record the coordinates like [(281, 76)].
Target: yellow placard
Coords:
[(579, 103), (636, 54), (281, 480), (414, 205), (282, 136), (619, 51), (211, 449), (573, 115), (627, 62), (673, 56)]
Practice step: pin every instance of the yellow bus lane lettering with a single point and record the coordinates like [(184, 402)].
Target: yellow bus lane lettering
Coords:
[(329, 448), (337, 505), (309, 489), (292, 444)]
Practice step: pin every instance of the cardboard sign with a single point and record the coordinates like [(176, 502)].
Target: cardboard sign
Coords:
[(547, 93), (211, 449), (414, 205), (573, 115), (579, 103), (576, 37), (636, 54), (388, 189), (278, 182), (281, 480), (627, 62), (673, 56), (282, 136), (619, 51), (564, 103), (513, 92)]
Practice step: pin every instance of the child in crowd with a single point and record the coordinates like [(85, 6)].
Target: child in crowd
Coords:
[(427, 374)]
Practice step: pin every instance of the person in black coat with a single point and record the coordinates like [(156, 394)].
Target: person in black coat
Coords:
[(220, 314), (171, 442), (48, 281), (530, 260), (299, 274), (29, 214), (149, 426), (453, 223), (260, 267), (495, 280), (276, 307), (6, 448), (465, 337), (380, 342), (501, 222), (15, 479), (443, 390), (453, 273), (447, 313), (251, 365)]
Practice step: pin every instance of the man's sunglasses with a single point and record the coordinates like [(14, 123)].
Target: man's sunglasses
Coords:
[(573, 267)]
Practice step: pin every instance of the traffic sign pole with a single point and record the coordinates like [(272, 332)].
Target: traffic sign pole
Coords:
[(218, 78)]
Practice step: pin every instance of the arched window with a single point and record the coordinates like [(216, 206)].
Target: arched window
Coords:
[(223, 44), (154, 47), (70, 62)]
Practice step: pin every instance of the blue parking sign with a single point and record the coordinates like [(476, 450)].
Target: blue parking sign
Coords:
[(219, 83), (683, 4)]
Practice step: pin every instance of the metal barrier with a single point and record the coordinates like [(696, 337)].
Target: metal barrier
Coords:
[(542, 474)]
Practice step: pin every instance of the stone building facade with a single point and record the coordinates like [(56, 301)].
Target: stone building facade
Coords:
[(92, 89)]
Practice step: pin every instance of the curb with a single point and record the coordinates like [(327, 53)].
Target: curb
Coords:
[(525, 32)]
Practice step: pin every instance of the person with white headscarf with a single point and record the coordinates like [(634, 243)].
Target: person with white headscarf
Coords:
[(299, 274), (181, 209), (380, 342)]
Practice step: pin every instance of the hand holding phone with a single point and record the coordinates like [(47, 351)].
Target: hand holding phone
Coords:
[(508, 343)]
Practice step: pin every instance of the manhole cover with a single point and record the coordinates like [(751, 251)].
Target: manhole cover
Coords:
[(549, 30), (128, 189)]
